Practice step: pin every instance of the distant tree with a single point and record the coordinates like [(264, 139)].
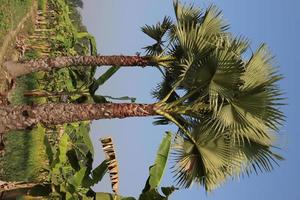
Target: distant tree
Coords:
[(76, 3)]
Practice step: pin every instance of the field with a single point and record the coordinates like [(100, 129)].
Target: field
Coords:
[(47, 154), (11, 13)]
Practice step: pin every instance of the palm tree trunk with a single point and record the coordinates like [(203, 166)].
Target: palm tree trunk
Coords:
[(27, 116), (47, 64), (11, 190)]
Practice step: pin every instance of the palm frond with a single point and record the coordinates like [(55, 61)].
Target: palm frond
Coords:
[(219, 70), (212, 22), (254, 158), (198, 45), (217, 157), (259, 70), (185, 13), (227, 108), (238, 45), (254, 111), (239, 125), (209, 25), (157, 32), (164, 87), (208, 163)]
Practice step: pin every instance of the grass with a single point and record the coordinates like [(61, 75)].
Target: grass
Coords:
[(42, 5), (36, 155), (26, 157), (25, 153), (11, 12)]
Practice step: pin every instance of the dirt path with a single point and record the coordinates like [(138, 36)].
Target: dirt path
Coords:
[(13, 33), (7, 42)]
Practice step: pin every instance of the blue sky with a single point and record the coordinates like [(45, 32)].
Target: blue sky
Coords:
[(116, 26)]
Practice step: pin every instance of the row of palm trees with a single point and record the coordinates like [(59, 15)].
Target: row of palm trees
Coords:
[(226, 106)]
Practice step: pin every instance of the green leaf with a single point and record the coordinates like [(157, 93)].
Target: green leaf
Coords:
[(99, 99), (73, 160), (103, 78), (157, 170), (186, 14), (168, 190), (124, 98), (153, 194), (49, 150), (98, 173), (63, 148), (157, 32), (84, 132), (208, 162), (109, 196), (254, 158), (78, 177)]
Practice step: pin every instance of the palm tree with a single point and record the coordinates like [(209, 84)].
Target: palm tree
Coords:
[(47, 64), (234, 134), (225, 106)]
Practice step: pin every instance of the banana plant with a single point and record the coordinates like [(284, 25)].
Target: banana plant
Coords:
[(156, 172)]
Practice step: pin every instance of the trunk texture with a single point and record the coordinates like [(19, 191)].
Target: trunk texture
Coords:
[(12, 190), (9, 186), (46, 64), (23, 117)]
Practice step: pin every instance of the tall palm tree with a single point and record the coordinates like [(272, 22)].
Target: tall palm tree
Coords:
[(225, 105), (16, 69), (235, 133)]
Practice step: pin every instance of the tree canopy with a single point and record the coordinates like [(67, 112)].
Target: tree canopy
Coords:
[(225, 103)]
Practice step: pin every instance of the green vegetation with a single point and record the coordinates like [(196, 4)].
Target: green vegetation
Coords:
[(156, 171), (226, 106), (42, 5), (11, 13), (39, 154)]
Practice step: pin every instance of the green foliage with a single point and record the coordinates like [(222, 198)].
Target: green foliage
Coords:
[(157, 32), (98, 173), (150, 192), (32, 54), (157, 170), (103, 78), (108, 196), (63, 158), (30, 159), (11, 13), (155, 195), (228, 107), (124, 98), (42, 5)]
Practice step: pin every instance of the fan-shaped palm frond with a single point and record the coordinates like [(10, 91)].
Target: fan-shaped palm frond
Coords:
[(253, 111), (259, 70), (255, 157), (194, 43), (157, 32), (217, 157), (226, 107), (186, 13), (207, 163)]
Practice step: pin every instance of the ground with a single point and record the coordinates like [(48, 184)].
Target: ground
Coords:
[(44, 28), (16, 18)]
